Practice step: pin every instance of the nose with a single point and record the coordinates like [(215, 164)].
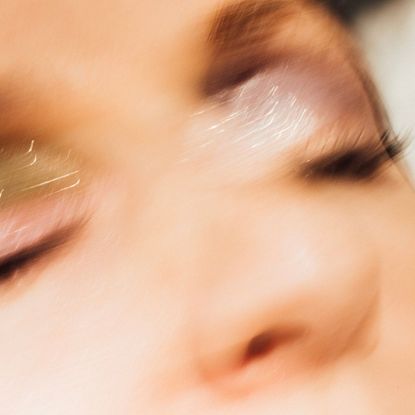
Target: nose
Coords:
[(284, 294)]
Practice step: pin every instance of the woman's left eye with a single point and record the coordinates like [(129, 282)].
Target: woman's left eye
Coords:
[(355, 164)]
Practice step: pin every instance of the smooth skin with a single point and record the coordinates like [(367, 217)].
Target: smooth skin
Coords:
[(198, 285)]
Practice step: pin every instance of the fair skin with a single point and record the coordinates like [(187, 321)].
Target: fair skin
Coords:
[(205, 259)]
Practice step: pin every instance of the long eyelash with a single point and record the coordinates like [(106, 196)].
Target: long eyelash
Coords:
[(395, 145), (359, 162), (29, 255)]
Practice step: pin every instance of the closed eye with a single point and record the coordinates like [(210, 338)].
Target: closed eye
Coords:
[(30, 255), (356, 163)]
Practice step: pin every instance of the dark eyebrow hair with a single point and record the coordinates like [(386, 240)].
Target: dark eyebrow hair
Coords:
[(241, 44), (245, 21), (239, 39), (250, 36)]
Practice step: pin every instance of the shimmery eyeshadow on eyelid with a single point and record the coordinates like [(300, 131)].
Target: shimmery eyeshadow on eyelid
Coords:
[(243, 131), (29, 223), (32, 171), (257, 122)]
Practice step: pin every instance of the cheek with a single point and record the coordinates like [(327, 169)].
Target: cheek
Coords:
[(391, 221), (387, 214)]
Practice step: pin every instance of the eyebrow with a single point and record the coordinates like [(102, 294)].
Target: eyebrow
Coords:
[(239, 38), (245, 21), (240, 44)]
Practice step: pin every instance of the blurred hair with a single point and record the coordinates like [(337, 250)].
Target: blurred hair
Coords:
[(349, 9)]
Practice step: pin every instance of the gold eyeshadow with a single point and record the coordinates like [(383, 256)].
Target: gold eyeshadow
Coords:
[(31, 170)]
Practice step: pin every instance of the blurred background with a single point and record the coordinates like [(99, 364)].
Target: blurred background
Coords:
[(386, 31)]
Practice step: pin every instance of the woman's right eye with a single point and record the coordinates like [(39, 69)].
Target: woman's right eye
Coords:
[(28, 256), (42, 204)]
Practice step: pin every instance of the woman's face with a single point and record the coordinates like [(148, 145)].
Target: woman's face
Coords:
[(200, 213)]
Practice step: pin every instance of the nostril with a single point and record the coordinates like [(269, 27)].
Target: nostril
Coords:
[(260, 346), (265, 358), (268, 341)]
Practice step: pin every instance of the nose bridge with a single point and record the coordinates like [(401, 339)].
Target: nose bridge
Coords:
[(256, 264), (254, 245)]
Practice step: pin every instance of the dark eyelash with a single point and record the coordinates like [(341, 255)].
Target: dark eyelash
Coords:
[(358, 163), (27, 256)]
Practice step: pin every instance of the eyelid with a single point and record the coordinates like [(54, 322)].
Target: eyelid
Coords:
[(29, 170), (29, 255), (368, 156), (251, 36), (31, 230), (41, 215)]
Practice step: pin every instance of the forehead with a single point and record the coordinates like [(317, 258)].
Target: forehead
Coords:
[(137, 31)]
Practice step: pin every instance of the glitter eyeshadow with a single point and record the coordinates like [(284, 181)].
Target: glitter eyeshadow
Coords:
[(246, 132), (30, 170), (243, 132)]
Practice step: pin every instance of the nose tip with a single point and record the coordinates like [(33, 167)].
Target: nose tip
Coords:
[(240, 363), (275, 303), (266, 322), (262, 352), (280, 348)]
